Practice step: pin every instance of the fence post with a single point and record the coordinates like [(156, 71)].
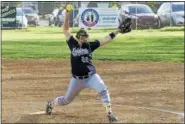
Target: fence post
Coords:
[(23, 13), (136, 16), (170, 13)]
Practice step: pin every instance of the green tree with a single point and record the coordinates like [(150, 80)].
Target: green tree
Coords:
[(113, 4)]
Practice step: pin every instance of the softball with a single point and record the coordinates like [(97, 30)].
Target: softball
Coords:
[(69, 8)]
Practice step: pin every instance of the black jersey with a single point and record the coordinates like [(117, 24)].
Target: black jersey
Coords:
[(81, 57)]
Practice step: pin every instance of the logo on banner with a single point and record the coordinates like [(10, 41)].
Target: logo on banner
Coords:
[(90, 17)]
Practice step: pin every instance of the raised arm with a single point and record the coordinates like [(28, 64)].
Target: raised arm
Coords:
[(66, 31), (124, 27)]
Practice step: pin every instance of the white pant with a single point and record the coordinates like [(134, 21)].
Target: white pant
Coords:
[(76, 85)]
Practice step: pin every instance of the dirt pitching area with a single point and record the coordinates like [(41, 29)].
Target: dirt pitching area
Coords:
[(141, 92)]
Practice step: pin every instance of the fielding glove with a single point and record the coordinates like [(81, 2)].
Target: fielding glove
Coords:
[(125, 26)]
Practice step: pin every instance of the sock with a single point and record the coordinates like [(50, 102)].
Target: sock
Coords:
[(54, 101), (105, 97), (108, 108), (59, 101)]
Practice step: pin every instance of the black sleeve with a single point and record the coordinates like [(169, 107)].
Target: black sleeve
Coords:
[(71, 42), (94, 45)]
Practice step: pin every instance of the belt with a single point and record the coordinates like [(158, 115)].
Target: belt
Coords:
[(83, 77)]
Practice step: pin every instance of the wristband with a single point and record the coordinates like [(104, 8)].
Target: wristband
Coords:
[(112, 35)]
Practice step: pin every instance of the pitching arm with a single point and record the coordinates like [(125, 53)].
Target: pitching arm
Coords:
[(66, 31)]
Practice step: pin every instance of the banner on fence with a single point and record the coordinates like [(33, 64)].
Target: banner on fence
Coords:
[(98, 17), (8, 17)]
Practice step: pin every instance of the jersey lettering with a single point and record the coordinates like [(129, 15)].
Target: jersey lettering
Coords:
[(79, 51)]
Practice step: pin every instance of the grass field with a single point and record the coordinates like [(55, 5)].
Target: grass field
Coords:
[(49, 43)]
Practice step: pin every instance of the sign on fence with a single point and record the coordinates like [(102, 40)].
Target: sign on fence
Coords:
[(98, 17), (8, 17)]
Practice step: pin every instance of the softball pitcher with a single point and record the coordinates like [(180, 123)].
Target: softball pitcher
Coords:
[(83, 71)]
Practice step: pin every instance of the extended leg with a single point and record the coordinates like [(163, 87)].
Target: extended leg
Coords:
[(73, 90)]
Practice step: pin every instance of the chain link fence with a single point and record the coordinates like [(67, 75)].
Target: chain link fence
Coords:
[(144, 15)]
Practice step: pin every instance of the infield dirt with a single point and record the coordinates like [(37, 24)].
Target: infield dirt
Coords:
[(134, 87)]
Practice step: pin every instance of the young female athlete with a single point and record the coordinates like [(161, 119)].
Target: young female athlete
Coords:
[(83, 71)]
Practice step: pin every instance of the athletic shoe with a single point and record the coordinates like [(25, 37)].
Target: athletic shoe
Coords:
[(49, 108), (112, 117)]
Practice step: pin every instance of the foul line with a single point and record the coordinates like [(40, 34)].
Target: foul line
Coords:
[(154, 109)]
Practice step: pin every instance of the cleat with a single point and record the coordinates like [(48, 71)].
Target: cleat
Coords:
[(49, 108), (112, 118)]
